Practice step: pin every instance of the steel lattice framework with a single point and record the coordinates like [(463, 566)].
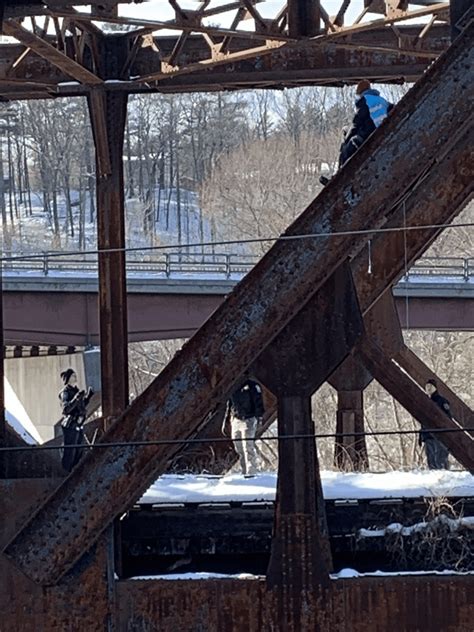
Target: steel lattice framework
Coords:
[(307, 313), (56, 43)]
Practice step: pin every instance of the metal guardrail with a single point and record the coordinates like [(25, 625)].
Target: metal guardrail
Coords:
[(221, 264)]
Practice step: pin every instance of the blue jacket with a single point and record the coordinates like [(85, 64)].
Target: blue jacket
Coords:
[(371, 110)]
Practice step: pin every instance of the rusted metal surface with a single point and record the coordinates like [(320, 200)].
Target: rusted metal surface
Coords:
[(382, 324), (293, 366), (109, 139), (83, 601), (405, 391), (448, 187), (36, 77), (51, 53), (31, 463), (446, 190), (350, 379), (206, 370), (417, 604), (350, 453), (421, 373), (300, 556)]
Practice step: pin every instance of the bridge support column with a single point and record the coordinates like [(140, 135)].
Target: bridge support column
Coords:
[(108, 115), (293, 367), (350, 380)]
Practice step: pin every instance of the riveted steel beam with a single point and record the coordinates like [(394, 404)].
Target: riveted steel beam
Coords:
[(362, 196), (446, 189), (421, 373)]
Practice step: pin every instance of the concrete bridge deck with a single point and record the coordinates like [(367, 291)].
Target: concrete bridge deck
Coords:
[(54, 301)]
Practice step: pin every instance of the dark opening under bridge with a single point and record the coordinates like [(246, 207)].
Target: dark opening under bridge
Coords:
[(54, 301)]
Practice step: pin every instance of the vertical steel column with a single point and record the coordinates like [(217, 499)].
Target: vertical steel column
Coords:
[(350, 380), (350, 453), (293, 367), (108, 116), (301, 557), (303, 18)]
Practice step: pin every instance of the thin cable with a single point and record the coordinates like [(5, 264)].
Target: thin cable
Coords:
[(405, 254), (194, 441), (230, 242)]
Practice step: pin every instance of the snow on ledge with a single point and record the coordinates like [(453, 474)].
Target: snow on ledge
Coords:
[(189, 488), (194, 576), (345, 573), (350, 573)]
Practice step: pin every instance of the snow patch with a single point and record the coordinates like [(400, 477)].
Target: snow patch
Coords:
[(187, 576), (189, 488), (17, 417)]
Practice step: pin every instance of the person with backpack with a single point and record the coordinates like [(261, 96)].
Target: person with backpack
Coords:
[(244, 409), (371, 110), (437, 453)]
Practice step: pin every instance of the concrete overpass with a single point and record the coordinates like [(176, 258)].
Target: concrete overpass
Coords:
[(55, 302)]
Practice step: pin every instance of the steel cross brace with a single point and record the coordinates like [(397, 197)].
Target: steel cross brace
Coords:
[(361, 197), (446, 189)]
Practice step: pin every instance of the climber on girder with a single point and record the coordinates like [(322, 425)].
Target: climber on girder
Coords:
[(371, 110)]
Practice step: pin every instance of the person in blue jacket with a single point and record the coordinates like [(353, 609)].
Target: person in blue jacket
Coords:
[(371, 110)]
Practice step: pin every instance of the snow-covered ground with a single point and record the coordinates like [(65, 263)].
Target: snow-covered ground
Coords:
[(177, 218), (17, 417), (169, 489)]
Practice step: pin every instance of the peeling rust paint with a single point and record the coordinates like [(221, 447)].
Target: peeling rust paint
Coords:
[(407, 604)]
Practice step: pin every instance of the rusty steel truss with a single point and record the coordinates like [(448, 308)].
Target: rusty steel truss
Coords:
[(301, 44), (309, 312), (263, 304)]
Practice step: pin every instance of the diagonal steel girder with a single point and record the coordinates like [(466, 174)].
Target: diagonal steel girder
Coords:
[(361, 197), (446, 190)]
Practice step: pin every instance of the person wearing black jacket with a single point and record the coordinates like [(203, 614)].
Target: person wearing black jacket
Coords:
[(74, 408), (371, 110), (436, 452), (244, 409)]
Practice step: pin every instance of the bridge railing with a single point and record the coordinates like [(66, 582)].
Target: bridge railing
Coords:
[(222, 265), (452, 267)]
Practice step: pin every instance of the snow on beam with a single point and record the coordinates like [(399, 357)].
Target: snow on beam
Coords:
[(206, 370)]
